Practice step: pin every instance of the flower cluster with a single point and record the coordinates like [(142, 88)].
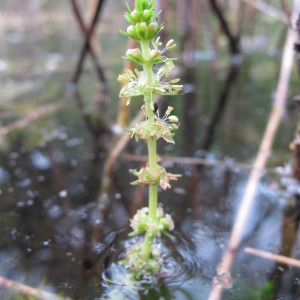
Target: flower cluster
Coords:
[(151, 76), (136, 83), (161, 177), (143, 21), (159, 128), (141, 222), (149, 81)]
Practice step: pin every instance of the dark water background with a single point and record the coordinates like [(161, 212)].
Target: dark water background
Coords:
[(51, 212)]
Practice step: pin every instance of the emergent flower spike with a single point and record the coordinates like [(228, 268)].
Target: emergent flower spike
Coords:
[(153, 77)]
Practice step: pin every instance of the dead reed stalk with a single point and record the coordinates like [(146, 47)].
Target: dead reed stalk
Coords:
[(261, 158)]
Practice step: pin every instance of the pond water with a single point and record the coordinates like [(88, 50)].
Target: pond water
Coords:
[(54, 142)]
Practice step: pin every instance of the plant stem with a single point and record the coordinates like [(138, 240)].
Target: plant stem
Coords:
[(152, 152), (153, 190)]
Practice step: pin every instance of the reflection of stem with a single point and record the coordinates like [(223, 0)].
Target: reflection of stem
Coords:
[(146, 249), (260, 161), (223, 98)]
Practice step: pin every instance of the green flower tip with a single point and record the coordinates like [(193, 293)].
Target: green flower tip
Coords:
[(143, 12), (142, 20)]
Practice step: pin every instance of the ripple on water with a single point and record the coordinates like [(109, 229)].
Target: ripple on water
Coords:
[(179, 264)]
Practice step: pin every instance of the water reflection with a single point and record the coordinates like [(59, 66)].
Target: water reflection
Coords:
[(53, 212)]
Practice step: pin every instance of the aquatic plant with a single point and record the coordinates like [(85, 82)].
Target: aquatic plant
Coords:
[(151, 77)]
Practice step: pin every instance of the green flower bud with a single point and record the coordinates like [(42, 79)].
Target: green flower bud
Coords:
[(141, 30), (132, 32), (173, 119), (136, 16), (152, 29), (155, 56), (155, 53), (147, 15), (135, 55)]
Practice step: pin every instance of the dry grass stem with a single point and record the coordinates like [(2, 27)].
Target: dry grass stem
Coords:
[(28, 290), (34, 115), (275, 257), (261, 158), (268, 10)]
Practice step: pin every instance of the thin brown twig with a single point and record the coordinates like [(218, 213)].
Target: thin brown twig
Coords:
[(86, 43), (191, 161), (268, 10), (28, 290), (275, 257), (232, 165), (261, 159), (89, 46), (30, 117), (233, 39), (118, 147)]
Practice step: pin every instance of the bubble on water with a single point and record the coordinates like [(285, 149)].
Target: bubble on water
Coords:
[(54, 212), (118, 196), (46, 243), (4, 175), (30, 193), (3, 65), (74, 142), (41, 178), (97, 221), (40, 160), (24, 183), (20, 204), (180, 191), (77, 236), (74, 162), (63, 193), (14, 233), (116, 129), (10, 190), (29, 202)]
